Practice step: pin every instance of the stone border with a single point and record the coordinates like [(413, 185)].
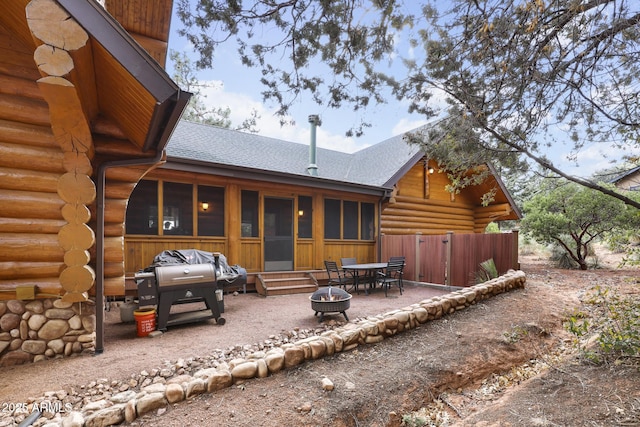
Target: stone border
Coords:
[(171, 385)]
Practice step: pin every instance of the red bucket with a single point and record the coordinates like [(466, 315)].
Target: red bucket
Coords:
[(145, 321)]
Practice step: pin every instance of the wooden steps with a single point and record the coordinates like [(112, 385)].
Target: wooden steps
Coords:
[(285, 283)]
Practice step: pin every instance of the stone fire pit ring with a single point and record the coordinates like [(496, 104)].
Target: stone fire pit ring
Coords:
[(330, 300)]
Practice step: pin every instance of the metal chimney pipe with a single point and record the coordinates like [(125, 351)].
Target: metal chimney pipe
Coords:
[(314, 119)]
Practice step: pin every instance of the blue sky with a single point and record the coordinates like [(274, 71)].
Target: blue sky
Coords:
[(238, 87)]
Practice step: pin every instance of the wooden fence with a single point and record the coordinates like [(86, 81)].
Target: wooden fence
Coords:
[(451, 259)]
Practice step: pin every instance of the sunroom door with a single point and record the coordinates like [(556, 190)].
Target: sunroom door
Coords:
[(278, 234)]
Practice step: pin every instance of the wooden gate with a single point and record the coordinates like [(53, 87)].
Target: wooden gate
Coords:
[(451, 259)]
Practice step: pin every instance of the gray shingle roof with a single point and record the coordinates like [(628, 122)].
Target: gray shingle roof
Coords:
[(375, 165)]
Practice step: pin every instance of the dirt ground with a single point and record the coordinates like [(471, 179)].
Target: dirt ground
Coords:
[(505, 362)]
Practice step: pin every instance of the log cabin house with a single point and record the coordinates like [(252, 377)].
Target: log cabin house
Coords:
[(279, 209), (86, 109)]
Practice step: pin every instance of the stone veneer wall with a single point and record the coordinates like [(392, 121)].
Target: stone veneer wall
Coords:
[(106, 404), (42, 329)]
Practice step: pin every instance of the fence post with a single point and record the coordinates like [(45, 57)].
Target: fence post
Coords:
[(448, 266), (416, 261), (515, 261)]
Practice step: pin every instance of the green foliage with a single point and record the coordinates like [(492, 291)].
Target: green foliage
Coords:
[(487, 271), (609, 329), (574, 217), (562, 259), (492, 227), (412, 420), (506, 79)]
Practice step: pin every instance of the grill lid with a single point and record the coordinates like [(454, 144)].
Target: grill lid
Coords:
[(185, 275)]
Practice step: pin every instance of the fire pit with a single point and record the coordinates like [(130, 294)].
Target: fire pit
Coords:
[(330, 300)]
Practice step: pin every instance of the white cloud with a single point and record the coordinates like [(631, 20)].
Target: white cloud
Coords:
[(406, 125), (242, 105)]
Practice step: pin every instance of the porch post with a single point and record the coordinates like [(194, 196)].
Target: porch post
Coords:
[(448, 266), (416, 260)]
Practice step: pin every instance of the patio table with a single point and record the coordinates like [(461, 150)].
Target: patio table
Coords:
[(366, 271)]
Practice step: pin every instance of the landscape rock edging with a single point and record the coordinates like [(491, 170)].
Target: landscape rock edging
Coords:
[(161, 387)]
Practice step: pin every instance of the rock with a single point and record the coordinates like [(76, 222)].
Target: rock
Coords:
[(96, 405), (73, 419), (293, 356), (123, 397), (53, 329), (89, 323), (327, 384), (130, 413), (154, 388), (204, 373), (58, 303), (195, 387), (17, 357), (15, 306), (305, 407), (373, 339), (24, 330), (318, 348), (4, 345), (87, 338), (36, 321), (3, 308), (56, 345), (219, 380), (34, 347), (180, 379), (275, 362), (59, 313), (106, 417), (245, 370), (68, 349), (263, 370), (35, 306), (150, 402), (174, 393), (75, 322), (15, 344), (9, 321)]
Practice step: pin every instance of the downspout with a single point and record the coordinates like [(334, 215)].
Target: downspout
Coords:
[(157, 122), (100, 202), (314, 119)]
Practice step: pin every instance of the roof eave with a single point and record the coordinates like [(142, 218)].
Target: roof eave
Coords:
[(403, 170), (170, 100), (196, 166)]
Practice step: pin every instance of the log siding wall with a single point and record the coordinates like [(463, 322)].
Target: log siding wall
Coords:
[(421, 204)]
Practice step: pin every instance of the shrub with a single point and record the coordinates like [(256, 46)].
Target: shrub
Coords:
[(488, 271), (610, 329)]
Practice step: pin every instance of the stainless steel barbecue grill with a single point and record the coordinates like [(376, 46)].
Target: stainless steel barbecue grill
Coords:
[(172, 280)]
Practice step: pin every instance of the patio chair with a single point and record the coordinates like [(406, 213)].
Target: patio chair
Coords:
[(337, 276), (348, 261), (392, 274)]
